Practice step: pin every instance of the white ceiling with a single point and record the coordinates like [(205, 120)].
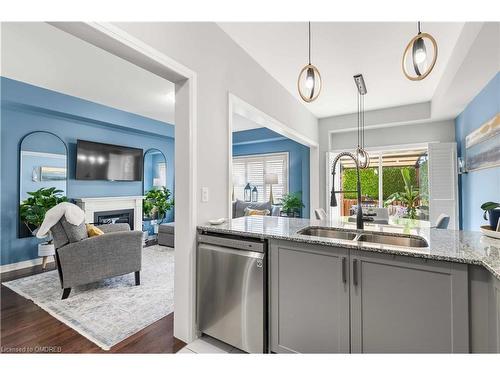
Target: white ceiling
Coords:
[(42, 55), (341, 50)]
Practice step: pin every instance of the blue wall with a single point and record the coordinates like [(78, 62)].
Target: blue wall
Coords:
[(483, 185), (265, 141), (27, 108)]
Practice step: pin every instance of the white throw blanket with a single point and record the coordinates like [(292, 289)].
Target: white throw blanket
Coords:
[(74, 215)]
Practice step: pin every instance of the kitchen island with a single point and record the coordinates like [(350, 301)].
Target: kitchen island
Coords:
[(341, 295)]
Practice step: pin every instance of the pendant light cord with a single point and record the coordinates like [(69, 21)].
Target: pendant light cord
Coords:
[(363, 121), (309, 43), (418, 27), (359, 125)]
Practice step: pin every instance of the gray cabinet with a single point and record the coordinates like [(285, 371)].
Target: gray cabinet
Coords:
[(333, 300), (484, 311), (309, 295), (407, 305), (494, 310)]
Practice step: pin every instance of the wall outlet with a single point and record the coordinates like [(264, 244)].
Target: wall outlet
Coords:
[(204, 194)]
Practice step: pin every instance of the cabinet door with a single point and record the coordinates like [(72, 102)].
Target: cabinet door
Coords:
[(407, 305), (495, 315), (309, 294)]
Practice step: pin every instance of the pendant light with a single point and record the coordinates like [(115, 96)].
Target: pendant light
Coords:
[(361, 155), (309, 82), (419, 58)]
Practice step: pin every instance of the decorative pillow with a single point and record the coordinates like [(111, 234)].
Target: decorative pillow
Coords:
[(93, 231), (75, 233), (241, 205), (253, 212)]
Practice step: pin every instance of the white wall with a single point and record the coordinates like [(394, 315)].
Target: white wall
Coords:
[(439, 131), (408, 133), (221, 67)]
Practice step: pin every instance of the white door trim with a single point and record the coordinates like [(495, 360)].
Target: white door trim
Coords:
[(245, 109), (120, 43)]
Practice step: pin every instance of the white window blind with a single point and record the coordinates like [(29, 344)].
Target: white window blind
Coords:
[(251, 169), (443, 182)]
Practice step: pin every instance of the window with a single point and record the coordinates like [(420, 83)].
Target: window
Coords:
[(251, 169), (381, 180)]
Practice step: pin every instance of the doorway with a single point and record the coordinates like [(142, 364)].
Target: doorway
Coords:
[(271, 167)]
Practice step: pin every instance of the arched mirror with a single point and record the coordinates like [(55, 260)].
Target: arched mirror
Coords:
[(155, 170), (42, 177), (157, 202)]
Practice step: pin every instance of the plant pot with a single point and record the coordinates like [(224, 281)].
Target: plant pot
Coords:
[(293, 212), (46, 249), (493, 216)]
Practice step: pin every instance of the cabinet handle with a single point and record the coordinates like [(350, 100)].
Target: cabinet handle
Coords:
[(344, 274), (355, 272)]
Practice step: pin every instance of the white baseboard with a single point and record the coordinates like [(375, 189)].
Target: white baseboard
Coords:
[(23, 264)]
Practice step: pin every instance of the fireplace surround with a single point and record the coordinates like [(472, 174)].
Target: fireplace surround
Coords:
[(119, 209)]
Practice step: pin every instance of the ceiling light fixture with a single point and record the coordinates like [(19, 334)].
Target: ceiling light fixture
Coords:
[(309, 82), (417, 63), (361, 154)]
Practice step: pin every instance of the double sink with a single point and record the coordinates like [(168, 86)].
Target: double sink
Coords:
[(371, 237)]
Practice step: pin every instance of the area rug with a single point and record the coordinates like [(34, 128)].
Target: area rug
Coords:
[(109, 311)]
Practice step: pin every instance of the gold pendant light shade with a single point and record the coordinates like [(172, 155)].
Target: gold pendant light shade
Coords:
[(309, 83), (420, 56)]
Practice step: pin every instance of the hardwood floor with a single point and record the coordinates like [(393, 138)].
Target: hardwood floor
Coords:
[(26, 328)]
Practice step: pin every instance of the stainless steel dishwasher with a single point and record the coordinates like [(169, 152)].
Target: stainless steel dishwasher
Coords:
[(232, 290)]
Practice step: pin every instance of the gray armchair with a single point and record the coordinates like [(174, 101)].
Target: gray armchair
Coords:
[(82, 259)]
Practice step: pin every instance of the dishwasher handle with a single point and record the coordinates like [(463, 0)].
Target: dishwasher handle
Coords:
[(242, 244), (226, 250)]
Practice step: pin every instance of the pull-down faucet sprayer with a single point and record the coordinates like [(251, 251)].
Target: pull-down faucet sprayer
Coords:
[(333, 199)]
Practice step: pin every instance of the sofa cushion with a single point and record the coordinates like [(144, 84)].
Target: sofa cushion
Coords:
[(241, 205), (59, 235), (75, 233), (167, 228)]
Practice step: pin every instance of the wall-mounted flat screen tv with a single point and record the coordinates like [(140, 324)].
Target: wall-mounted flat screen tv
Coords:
[(101, 161)]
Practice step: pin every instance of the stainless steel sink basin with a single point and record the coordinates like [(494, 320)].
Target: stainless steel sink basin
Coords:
[(328, 232), (393, 240), (374, 238)]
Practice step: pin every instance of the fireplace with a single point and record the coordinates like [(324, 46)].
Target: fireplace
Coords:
[(115, 217), (117, 209)]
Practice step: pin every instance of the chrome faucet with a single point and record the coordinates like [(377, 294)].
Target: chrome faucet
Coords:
[(333, 199)]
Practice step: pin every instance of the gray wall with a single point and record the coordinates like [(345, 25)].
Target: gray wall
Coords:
[(439, 131), (222, 67)]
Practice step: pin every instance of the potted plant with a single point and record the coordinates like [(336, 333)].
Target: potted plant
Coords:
[(409, 197), (491, 213), (32, 212), (33, 209), (157, 203), (291, 203)]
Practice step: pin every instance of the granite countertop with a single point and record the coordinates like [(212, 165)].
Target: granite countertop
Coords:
[(449, 245)]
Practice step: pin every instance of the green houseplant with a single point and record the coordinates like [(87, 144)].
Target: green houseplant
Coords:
[(157, 203), (292, 204), (409, 197), (33, 209)]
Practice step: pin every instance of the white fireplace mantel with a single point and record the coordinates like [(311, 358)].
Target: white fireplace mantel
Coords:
[(98, 204)]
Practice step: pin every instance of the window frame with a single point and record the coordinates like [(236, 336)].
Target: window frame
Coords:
[(262, 157)]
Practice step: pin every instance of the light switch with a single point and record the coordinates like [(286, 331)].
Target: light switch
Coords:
[(204, 194)]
